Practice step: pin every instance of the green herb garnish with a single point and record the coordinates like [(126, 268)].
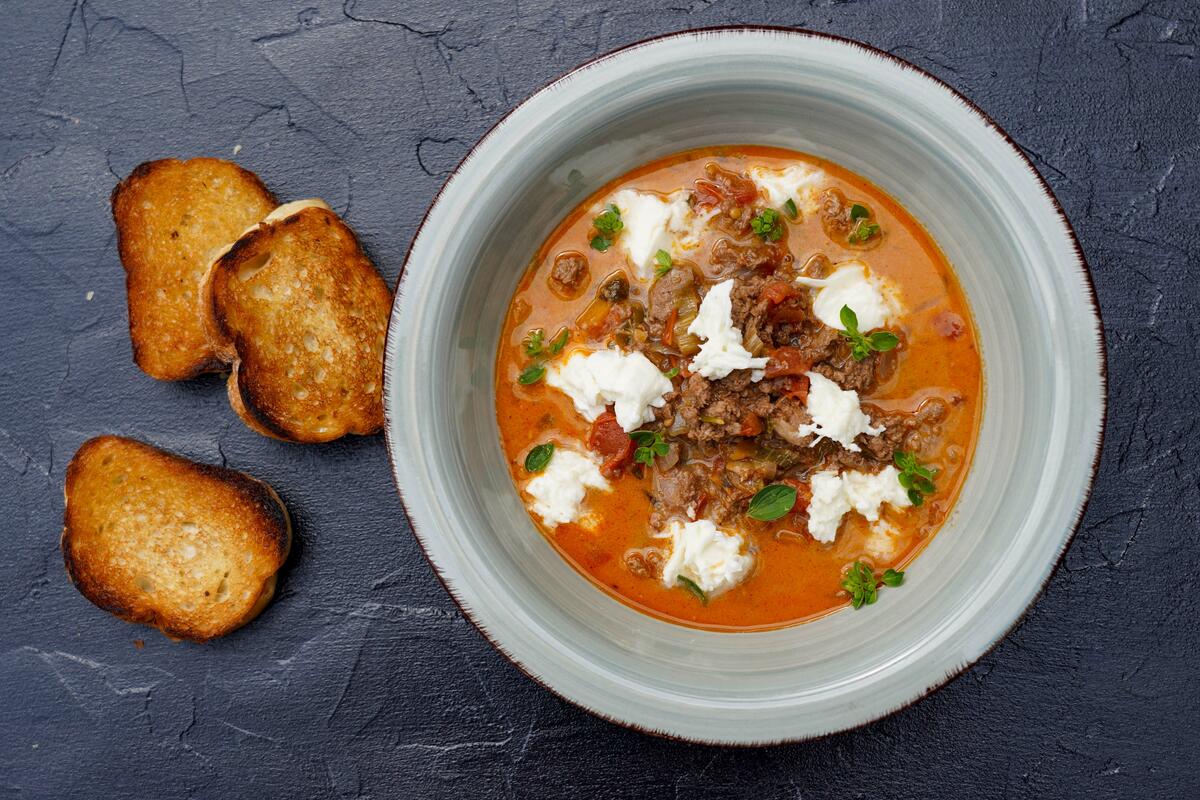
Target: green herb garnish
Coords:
[(694, 588), (861, 345), (860, 583), (863, 231), (915, 478), (559, 342), (863, 585), (671, 373), (650, 444), (663, 258), (539, 457), (768, 225), (859, 211), (531, 374), (608, 225), (772, 502), (532, 343), (790, 208)]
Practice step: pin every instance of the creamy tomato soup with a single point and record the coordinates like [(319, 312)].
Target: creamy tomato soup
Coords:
[(738, 388)]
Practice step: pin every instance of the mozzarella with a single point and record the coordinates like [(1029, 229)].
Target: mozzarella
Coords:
[(558, 490), (628, 381), (798, 182), (705, 555), (722, 351), (873, 300), (834, 495), (652, 223), (836, 414)]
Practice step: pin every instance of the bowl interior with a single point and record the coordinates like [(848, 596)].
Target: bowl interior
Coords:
[(1012, 252)]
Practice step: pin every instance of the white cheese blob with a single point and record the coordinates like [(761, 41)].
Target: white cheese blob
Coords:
[(836, 413), (799, 182), (833, 495), (722, 351), (705, 555), (627, 381), (652, 223), (873, 300), (559, 489)]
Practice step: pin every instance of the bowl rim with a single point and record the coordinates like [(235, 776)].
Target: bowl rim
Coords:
[(1081, 266)]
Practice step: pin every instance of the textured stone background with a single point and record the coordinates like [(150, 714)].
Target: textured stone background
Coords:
[(362, 679)]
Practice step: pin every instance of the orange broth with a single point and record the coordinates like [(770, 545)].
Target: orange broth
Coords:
[(795, 578)]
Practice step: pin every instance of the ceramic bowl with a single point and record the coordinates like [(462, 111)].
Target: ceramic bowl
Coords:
[(1017, 260)]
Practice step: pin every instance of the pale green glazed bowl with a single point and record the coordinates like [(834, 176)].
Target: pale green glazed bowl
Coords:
[(1018, 262)]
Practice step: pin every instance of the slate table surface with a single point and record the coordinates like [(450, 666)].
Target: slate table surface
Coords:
[(363, 679)]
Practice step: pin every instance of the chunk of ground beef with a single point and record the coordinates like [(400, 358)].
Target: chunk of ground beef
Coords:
[(664, 297), (714, 411), (569, 276), (677, 491), (730, 258), (917, 431)]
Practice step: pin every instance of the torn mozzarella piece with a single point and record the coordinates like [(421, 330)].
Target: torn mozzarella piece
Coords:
[(654, 222), (705, 555), (627, 381), (834, 495), (881, 544), (722, 351), (836, 414), (799, 182), (558, 491), (873, 300)]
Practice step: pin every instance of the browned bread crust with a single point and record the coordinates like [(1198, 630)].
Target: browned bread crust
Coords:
[(154, 538), (172, 217), (301, 313)]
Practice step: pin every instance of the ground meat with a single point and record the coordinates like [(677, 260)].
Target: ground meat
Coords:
[(731, 194), (615, 289), (729, 258), (714, 411), (861, 376), (664, 295), (835, 213), (569, 276), (917, 432), (675, 491)]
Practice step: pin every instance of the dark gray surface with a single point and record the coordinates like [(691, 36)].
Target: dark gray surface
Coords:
[(362, 679)]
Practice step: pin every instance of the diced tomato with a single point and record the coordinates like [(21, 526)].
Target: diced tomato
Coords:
[(776, 292), (797, 388), (803, 494), (668, 335), (707, 194), (752, 425), (611, 441), (787, 361)]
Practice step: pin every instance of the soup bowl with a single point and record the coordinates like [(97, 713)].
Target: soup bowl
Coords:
[(1034, 308)]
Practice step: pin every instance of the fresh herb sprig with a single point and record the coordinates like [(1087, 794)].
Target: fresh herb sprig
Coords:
[(671, 373), (772, 502), (539, 457), (768, 225), (608, 226), (863, 228), (649, 445), (558, 342), (531, 374), (532, 343), (790, 209), (916, 478), (862, 345), (863, 584), (663, 259), (694, 588)]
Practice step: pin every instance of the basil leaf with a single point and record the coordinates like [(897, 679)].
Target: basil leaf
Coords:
[(915, 498), (601, 243), (559, 341), (772, 502), (859, 211), (768, 225), (893, 578), (849, 319), (694, 588), (642, 438), (671, 373), (882, 341), (532, 343), (609, 222), (790, 208), (539, 457), (531, 374)]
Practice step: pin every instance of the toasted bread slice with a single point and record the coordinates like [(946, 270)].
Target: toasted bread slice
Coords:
[(157, 539), (172, 217), (299, 311)]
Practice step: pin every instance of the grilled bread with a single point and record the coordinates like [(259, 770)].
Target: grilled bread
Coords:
[(157, 539), (300, 313), (171, 218)]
